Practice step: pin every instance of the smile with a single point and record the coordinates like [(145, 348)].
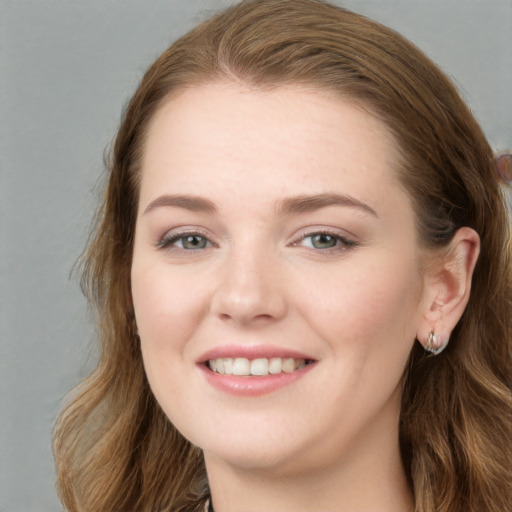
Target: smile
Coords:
[(253, 371), (241, 366)]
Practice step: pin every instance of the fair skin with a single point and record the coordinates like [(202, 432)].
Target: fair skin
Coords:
[(271, 224)]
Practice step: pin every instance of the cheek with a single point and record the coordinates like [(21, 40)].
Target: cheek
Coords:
[(167, 306), (167, 310), (360, 309)]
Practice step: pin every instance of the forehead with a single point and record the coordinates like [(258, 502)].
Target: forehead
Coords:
[(286, 137)]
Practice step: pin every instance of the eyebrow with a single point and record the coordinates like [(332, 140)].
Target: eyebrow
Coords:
[(308, 203), (188, 202), (297, 204)]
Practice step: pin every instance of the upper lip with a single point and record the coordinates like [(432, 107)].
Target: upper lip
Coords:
[(252, 352)]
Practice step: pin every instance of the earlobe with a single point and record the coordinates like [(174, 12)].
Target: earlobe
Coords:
[(447, 289)]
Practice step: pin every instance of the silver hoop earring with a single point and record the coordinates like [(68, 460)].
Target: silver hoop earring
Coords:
[(434, 343)]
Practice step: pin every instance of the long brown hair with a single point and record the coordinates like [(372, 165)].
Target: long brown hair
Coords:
[(114, 447)]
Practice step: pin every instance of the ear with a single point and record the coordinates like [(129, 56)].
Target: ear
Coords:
[(447, 288)]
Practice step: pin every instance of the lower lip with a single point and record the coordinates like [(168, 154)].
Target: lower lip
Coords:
[(253, 385)]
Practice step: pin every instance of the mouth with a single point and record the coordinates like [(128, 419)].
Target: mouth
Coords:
[(253, 371), (258, 367)]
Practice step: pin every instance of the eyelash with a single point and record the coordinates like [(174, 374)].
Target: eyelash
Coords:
[(168, 240), (342, 243)]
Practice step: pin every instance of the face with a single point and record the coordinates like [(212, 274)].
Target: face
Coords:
[(276, 278)]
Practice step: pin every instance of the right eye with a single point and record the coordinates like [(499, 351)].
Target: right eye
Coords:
[(185, 241)]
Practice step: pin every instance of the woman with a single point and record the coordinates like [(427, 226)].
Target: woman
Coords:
[(302, 277)]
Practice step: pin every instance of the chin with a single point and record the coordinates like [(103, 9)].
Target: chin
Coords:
[(270, 450), (253, 458)]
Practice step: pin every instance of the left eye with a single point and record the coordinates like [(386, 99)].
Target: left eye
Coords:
[(322, 241), (325, 241)]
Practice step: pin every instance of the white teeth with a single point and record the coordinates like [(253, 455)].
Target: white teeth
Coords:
[(274, 365), (241, 366), (228, 366), (288, 365), (259, 367)]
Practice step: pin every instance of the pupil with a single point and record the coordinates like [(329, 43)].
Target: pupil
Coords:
[(324, 241), (194, 242)]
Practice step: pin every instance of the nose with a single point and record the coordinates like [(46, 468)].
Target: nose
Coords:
[(250, 291)]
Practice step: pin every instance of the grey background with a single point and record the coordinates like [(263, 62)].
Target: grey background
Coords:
[(67, 67)]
